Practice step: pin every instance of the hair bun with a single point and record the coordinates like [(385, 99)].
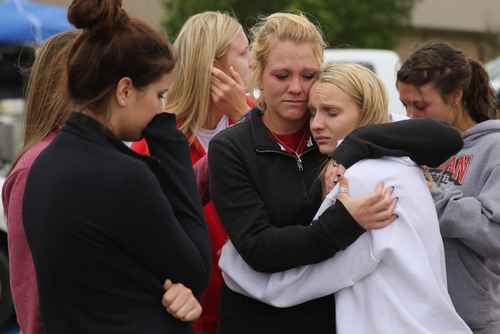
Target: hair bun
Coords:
[(97, 15)]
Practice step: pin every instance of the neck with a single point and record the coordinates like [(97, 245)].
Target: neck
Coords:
[(463, 121), (281, 126), (213, 119), (104, 119)]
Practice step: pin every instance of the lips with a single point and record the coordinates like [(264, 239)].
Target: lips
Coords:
[(322, 140)]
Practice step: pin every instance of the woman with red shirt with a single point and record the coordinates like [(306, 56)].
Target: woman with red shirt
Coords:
[(208, 95)]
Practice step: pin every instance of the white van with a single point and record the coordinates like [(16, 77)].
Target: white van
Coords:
[(384, 63)]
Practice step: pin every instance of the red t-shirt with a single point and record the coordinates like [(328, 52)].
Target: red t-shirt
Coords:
[(295, 142)]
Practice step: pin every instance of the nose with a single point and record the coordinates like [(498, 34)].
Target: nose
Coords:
[(316, 122), (295, 86)]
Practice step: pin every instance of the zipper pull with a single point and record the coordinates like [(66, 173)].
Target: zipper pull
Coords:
[(299, 163)]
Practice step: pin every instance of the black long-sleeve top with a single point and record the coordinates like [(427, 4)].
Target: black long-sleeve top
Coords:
[(107, 226), (266, 200)]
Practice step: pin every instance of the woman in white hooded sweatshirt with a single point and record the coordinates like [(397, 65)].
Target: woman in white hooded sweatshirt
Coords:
[(391, 280)]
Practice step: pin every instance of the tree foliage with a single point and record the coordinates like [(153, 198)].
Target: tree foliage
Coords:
[(351, 23)]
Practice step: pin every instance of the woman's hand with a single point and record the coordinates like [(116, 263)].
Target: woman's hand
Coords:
[(372, 211), (228, 93), (330, 175), (180, 302)]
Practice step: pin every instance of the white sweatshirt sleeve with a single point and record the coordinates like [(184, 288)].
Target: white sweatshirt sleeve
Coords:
[(298, 285)]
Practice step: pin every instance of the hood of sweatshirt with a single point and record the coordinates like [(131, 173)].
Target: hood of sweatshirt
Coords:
[(482, 129)]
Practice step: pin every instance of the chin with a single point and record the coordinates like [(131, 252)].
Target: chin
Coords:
[(296, 114), (327, 149)]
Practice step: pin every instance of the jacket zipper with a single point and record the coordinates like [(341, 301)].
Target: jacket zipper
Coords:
[(296, 156)]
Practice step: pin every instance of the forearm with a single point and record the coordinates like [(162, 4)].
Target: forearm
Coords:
[(425, 141), (271, 249), (266, 246), (302, 284), (169, 148)]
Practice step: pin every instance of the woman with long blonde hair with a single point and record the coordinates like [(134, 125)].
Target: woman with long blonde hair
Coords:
[(208, 95), (47, 108)]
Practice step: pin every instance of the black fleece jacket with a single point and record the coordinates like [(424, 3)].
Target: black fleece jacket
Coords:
[(266, 199), (107, 226)]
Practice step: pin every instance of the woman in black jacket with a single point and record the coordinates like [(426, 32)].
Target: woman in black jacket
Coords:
[(264, 178), (107, 226)]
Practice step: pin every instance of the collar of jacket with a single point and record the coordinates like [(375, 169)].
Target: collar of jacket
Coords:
[(263, 140), (88, 128)]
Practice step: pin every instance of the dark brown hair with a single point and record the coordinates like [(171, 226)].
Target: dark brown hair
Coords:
[(112, 46), (448, 69)]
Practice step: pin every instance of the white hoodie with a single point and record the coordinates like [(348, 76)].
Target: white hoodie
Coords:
[(391, 280)]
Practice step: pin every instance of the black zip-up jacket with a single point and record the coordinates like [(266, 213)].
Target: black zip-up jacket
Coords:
[(107, 226), (266, 199)]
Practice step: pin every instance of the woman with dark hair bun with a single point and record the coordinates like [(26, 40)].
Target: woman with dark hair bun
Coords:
[(440, 82), (110, 230)]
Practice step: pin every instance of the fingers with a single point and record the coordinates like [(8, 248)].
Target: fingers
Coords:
[(218, 76), (179, 297), (216, 93), (385, 202), (168, 283), (236, 77), (180, 302), (380, 223), (194, 314), (343, 186), (190, 310)]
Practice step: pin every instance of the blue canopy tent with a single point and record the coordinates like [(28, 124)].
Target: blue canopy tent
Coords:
[(23, 21)]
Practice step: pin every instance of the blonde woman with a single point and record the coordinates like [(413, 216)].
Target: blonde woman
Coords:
[(391, 280), (47, 108), (264, 181), (208, 95)]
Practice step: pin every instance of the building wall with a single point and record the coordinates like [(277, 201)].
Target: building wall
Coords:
[(482, 47), (469, 25)]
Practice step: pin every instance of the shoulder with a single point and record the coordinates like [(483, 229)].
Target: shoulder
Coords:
[(235, 132), (383, 167), (238, 135), (365, 175), (28, 157)]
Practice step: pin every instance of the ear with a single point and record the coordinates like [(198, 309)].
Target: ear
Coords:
[(455, 97), (124, 91)]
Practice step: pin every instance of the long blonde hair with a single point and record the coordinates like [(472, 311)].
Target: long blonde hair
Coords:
[(281, 27), (47, 102), (363, 86), (203, 40)]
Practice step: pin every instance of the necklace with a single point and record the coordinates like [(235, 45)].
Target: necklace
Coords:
[(299, 148)]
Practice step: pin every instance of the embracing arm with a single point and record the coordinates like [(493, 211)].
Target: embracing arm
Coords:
[(299, 285), (302, 284), (265, 247), (425, 141), (473, 220)]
